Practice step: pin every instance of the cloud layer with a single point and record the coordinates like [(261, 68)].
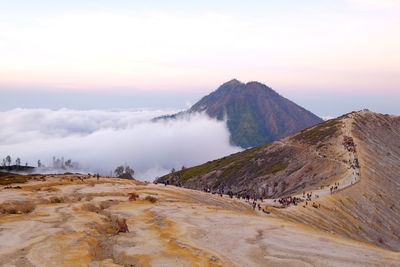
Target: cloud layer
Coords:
[(102, 139)]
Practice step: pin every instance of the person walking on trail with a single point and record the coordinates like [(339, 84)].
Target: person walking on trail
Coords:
[(165, 182), (98, 177)]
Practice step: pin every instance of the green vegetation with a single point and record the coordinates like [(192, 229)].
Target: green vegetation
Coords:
[(272, 168), (11, 178), (237, 160), (317, 133), (277, 167), (246, 163), (245, 127)]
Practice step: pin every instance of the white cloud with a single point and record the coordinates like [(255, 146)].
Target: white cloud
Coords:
[(100, 140)]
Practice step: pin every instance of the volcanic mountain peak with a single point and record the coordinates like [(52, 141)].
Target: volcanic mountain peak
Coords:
[(255, 113), (232, 82)]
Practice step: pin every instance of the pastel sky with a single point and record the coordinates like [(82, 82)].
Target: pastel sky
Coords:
[(300, 48)]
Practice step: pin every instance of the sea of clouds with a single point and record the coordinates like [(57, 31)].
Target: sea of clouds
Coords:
[(100, 140)]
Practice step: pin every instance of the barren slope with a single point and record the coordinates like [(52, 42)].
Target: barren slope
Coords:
[(369, 210), (71, 222)]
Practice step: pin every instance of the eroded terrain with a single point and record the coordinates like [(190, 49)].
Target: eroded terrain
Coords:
[(71, 220)]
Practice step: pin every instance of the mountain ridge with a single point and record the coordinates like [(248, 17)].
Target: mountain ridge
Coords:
[(357, 153)]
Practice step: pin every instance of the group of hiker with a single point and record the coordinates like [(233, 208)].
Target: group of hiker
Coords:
[(97, 175), (207, 189), (355, 164), (258, 205), (349, 144), (279, 203), (287, 201), (256, 202), (334, 187), (307, 196)]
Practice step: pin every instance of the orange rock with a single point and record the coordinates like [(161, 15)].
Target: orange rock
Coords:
[(132, 196), (122, 226)]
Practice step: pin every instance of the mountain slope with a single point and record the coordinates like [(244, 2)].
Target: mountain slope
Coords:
[(369, 210), (307, 159), (365, 206), (255, 113)]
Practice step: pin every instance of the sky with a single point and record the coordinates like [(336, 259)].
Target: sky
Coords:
[(330, 56)]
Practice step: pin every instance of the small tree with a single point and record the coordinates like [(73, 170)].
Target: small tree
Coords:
[(173, 170), (39, 164), (124, 172), (18, 162), (183, 167), (119, 171), (8, 159), (4, 163), (129, 170), (68, 163)]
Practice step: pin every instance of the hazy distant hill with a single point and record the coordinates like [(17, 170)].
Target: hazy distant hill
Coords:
[(255, 113), (17, 168)]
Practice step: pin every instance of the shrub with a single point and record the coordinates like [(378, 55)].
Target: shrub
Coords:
[(98, 207), (151, 199), (90, 207), (57, 200), (133, 196), (11, 178), (27, 207), (16, 207), (108, 203)]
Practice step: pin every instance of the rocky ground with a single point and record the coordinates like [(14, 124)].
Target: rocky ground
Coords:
[(71, 220)]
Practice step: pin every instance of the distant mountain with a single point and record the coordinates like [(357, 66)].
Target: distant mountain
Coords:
[(255, 113)]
